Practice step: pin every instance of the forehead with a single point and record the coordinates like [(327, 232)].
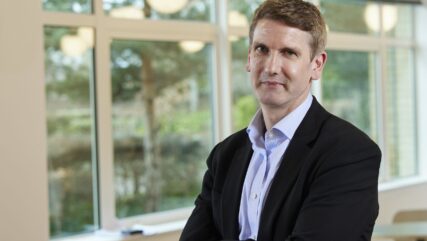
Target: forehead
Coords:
[(277, 33)]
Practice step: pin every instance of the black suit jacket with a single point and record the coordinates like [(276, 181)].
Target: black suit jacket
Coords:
[(324, 190)]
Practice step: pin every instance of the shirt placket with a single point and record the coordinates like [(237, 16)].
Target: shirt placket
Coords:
[(255, 193)]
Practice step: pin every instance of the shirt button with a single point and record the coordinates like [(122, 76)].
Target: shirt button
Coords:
[(254, 196)]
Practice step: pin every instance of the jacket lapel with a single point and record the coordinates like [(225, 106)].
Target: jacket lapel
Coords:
[(232, 190), (291, 163)]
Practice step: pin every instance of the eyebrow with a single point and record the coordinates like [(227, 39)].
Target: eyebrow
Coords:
[(291, 48), (258, 44)]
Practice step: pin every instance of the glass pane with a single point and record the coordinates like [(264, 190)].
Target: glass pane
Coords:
[(351, 16), (241, 12), (244, 101), (71, 6), (400, 114), (70, 125), (162, 123), (348, 88), (199, 10), (398, 21)]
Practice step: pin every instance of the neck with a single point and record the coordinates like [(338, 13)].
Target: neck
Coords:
[(273, 114)]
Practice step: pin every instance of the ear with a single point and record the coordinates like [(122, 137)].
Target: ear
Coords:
[(317, 65), (248, 64)]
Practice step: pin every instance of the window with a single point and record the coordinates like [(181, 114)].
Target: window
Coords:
[(349, 88), (71, 131), (71, 6), (160, 114), (244, 102), (240, 12), (159, 9), (402, 27), (400, 112), (162, 123), (375, 89), (350, 16)]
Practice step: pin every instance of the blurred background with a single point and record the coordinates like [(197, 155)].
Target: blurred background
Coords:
[(109, 108)]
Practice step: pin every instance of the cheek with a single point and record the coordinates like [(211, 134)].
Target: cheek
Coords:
[(298, 67), (298, 71), (256, 63)]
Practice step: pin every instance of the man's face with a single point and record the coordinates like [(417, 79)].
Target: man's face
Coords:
[(280, 65)]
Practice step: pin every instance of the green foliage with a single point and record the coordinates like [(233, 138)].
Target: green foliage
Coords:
[(81, 6), (345, 15), (68, 80), (346, 85), (182, 159), (186, 123), (246, 7), (168, 64), (71, 191), (244, 110), (130, 205)]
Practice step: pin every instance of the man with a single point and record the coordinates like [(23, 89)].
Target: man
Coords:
[(297, 172)]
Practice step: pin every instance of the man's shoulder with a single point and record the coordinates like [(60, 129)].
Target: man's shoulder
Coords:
[(340, 132), (330, 128), (235, 140), (224, 152), (230, 145)]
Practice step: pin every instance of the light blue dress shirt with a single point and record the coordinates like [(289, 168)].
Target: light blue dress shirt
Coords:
[(268, 148)]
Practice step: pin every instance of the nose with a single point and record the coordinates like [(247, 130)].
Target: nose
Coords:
[(273, 64)]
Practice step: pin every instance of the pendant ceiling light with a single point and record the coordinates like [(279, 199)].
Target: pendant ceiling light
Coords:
[(191, 46), (167, 6), (236, 18), (389, 17), (129, 12), (73, 45), (87, 35)]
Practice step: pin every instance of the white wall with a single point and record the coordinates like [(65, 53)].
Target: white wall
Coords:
[(23, 171), (405, 198)]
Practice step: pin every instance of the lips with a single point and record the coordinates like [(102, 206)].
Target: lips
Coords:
[(272, 79), (272, 83)]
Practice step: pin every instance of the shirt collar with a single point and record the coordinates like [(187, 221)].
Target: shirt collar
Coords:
[(286, 126)]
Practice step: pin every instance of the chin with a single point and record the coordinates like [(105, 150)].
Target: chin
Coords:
[(272, 102)]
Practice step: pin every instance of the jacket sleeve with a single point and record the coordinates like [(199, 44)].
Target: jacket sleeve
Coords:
[(342, 200), (201, 226)]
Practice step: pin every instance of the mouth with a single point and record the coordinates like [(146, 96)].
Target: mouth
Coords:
[(272, 83)]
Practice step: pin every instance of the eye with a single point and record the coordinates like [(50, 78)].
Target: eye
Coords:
[(289, 52), (261, 49)]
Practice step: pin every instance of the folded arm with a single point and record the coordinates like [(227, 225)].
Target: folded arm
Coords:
[(342, 202)]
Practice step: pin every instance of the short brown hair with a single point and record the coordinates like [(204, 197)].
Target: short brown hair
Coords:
[(294, 13)]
